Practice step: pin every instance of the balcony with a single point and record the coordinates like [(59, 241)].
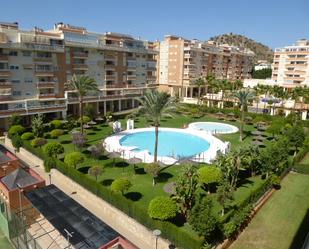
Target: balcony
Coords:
[(109, 66), (5, 85), (43, 59), (33, 46), (46, 95), (80, 66), (5, 73), (82, 55), (44, 72), (4, 57), (131, 77), (110, 76), (45, 84)]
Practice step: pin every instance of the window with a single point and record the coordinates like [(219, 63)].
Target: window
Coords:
[(13, 53), (15, 81), (14, 67), (28, 94), (26, 53), (16, 93), (28, 80)]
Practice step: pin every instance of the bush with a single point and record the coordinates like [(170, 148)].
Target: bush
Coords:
[(73, 159), (27, 136), (53, 149), (49, 163), (162, 208), (16, 130), (56, 133), (56, 124), (86, 119), (17, 142), (209, 175), (121, 185), (275, 181), (38, 142)]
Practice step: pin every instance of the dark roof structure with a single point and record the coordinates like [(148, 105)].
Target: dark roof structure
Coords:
[(64, 213), (3, 157), (18, 178)]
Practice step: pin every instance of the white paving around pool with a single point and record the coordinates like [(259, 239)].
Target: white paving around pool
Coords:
[(112, 144)]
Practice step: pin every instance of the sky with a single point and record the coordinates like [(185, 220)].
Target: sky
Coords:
[(275, 23)]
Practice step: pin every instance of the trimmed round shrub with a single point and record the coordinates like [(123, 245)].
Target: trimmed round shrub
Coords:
[(121, 185), (56, 124), (86, 119), (16, 130), (56, 133), (27, 136), (162, 208), (49, 163), (53, 149), (17, 142), (209, 175), (38, 142), (74, 158)]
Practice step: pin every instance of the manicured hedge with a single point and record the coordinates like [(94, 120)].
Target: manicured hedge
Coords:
[(180, 237)]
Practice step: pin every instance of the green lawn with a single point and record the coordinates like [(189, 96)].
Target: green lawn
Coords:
[(142, 189), (305, 159), (4, 242), (284, 220)]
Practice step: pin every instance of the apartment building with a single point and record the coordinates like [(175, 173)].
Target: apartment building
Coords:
[(36, 64), (291, 65), (182, 61)]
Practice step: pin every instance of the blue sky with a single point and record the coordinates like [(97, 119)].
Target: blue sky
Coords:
[(275, 23)]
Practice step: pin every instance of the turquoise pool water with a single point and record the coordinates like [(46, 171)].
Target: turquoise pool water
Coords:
[(214, 127), (171, 143)]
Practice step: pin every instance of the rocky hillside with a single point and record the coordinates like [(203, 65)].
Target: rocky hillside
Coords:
[(261, 51)]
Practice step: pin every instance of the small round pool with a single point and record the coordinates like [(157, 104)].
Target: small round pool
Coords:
[(171, 143), (214, 127)]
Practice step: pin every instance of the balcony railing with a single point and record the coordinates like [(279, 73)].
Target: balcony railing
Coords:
[(80, 54), (32, 46), (5, 72), (47, 95), (46, 84)]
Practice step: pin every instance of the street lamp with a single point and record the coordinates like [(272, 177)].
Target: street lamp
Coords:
[(156, 233), (49, 176)]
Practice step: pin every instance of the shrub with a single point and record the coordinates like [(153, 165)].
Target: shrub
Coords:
[(53, 149), (96, 150), (153, 169), (96, 171), (86, 119), (38, 125), (15, 119), (90, 111), (121, 185), (162, 208), (27, 136), (56, 124), (275, 181), (16, 130), (209, 175), (38, 142), (17, 142), (79, 139), (49, 163), (73, 159), (56, 133)]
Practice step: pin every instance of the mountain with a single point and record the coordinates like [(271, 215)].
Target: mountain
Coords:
[(262, 52)]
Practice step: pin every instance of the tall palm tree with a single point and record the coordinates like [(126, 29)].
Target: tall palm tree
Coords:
[(243, 96), (210, 79), (154, 106), (296, 94), (199, 82), (82, 85)]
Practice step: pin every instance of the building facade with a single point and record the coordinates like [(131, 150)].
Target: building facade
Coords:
[(291, 65), (182, 61), (36, 64)]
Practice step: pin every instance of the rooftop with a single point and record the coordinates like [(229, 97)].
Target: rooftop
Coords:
[(65, 213), (18, 178)]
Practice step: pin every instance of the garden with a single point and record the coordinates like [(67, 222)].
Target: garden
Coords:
[(194, 205)]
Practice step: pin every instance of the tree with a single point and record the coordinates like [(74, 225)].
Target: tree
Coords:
[(199, 82), (96, 150), (202, 218), (90, 111), (264, 73), (296, 136), (209, 175), (15, 119), (38, 125), (27, 136), (49, 163), (96, 171), (154, 106), (82, 85), (38, 142), (185, 188), (79, 139), (153, 169), (243, 96), (74, 158), (224, 195), (250, 156), (275, 127), (56, 133), (53, 149), (162, 208), (16, 130), (121, 185), (17, 142), (56, 124)]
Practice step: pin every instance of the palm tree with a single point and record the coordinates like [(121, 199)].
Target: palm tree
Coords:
[(296, 94), (199, 82), (210, 79), (243, 96), (154, 106), (82, 85)]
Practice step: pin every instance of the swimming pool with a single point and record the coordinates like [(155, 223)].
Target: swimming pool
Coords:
[(214, 127), (174, 145), (171, 143)]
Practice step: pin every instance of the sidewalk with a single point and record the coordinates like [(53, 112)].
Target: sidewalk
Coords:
[(123, 224)]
